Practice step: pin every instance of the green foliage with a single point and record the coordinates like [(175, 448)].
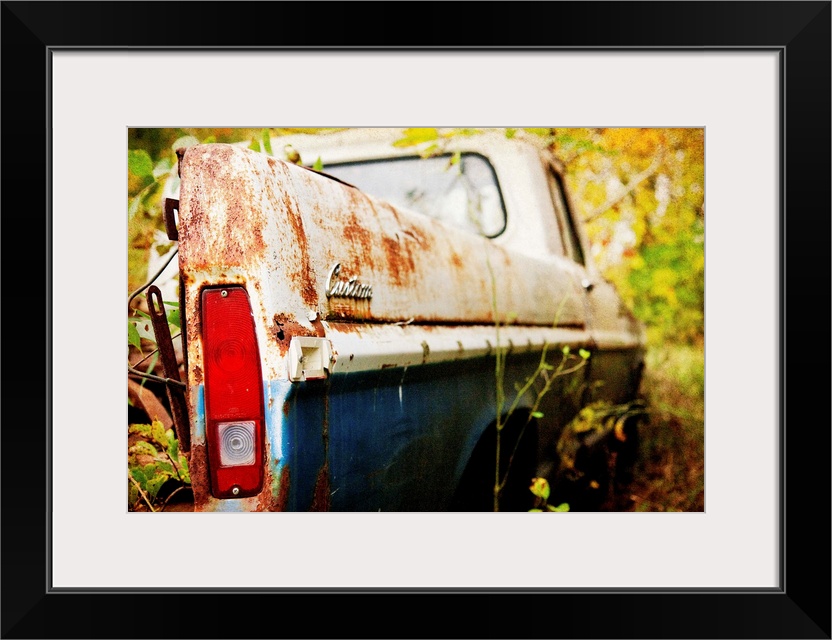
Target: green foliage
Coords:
[(641, 194), (417, 136), (265, 135), (139, 164), (670, 472), (153, 461), (668, 287), (133, 336), (140, 326), (540, 489), (430, 141)]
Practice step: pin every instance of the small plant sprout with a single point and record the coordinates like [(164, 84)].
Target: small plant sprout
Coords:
[(540, 489), (154, 459), (545, 372)]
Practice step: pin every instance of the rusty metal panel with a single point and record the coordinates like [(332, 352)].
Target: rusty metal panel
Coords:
[(247, 215)]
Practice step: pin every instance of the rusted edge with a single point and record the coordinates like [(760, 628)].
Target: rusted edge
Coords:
[(170, 366), (321, 495), (171, 205), (282, 501)]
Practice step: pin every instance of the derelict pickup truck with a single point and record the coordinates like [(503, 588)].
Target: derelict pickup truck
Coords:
[(393, 332)]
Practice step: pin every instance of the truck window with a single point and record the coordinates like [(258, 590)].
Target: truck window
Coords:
[(571, 243), (464, 194)]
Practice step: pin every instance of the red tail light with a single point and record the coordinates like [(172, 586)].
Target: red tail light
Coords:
[(234, 417)]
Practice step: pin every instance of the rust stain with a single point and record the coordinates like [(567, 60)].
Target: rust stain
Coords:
[(394, 259), (200, 482), (456, 260), (215, 183), (347, 327), (284, 327), (354, 232), (389, 207), (287, 405), (265, 498), (358, 236), (318, 326), (388, 366), (309, 291), (321, 497), (417, 235), (400, 262), (281, 501), (197, 374), (303, 275)]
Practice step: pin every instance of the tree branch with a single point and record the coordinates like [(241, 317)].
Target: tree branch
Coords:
[(141, 492), (627, 190)]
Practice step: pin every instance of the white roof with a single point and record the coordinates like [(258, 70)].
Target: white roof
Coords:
[(369, 143)]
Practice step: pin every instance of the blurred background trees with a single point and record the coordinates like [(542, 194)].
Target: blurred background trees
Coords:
[(642, 195)]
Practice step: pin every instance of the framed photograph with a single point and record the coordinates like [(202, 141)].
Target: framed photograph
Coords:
[(755, 563)]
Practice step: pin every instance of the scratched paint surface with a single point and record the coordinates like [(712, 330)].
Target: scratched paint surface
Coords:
[(396, 439)]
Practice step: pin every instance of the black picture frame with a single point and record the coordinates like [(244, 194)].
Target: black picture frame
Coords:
[(799, 608)]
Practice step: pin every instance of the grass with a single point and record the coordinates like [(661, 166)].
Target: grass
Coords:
[(670, 472)]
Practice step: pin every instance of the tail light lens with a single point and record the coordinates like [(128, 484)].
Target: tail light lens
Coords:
[(233, 394)]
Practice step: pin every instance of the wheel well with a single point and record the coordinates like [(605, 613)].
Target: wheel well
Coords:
[(518, 458)]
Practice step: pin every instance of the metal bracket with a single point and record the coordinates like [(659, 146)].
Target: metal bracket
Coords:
[(176, 396), (171, 205)]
